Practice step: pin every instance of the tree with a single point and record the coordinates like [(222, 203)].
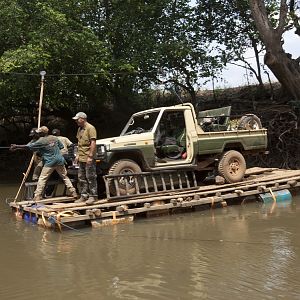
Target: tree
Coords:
[(185, 54), (229, 23), (41, 36), (284, 67), (153, 42)]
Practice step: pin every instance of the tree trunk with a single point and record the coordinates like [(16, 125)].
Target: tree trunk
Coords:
[(285, 69)]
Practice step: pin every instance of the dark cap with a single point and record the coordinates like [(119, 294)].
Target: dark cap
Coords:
[(56, 132)]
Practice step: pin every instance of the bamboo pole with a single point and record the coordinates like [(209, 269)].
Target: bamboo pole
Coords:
[(42, 73), (25, 175)]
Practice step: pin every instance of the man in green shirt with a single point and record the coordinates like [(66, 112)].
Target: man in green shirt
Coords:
[(64, 140), (85, 158)]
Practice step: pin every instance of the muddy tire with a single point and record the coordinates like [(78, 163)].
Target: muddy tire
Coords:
[(123, 166), (232, 166), (249, 122)]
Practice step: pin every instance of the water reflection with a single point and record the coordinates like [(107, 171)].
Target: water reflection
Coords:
[(249, 251)]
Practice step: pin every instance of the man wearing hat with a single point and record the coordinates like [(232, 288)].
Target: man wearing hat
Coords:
[(49, 148), (66, 143), (64, 140), (85, 158)]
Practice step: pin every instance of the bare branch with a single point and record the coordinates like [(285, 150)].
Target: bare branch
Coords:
[(282, 17), (294, 17)]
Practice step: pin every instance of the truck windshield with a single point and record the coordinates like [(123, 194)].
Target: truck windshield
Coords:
[(140, 123)]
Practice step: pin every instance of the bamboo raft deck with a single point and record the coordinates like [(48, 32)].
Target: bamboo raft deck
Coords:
[(62, 212)]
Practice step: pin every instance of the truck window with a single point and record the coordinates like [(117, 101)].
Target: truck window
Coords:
[(140, 123), (173, 123)]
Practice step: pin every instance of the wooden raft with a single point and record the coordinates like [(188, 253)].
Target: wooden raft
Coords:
[(62, 212)]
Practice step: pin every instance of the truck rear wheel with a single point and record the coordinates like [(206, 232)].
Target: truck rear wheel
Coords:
[(124, 167), (232, 166)]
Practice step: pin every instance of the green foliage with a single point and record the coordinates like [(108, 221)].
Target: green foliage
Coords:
[(128, 45), (124, 48), (29, 57), (52, 41)]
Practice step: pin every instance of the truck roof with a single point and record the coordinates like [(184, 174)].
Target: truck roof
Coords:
[(175, 107)]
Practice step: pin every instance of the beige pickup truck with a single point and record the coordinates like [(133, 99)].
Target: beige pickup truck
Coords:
[(174, 137)]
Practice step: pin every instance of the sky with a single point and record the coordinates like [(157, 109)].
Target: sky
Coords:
[(237, 76)]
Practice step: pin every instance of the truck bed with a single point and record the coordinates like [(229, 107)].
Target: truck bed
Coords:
[(247, 140)]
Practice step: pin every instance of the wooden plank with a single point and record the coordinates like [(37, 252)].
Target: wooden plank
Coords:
[(46, 200), (111, 221), (259, 170), (72, 206)]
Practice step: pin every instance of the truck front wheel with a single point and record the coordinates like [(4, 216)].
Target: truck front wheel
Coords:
[(124, 167), (232, 166)]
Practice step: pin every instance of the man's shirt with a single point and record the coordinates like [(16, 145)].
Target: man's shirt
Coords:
[(84, 136), (49, 148), (66, 143)]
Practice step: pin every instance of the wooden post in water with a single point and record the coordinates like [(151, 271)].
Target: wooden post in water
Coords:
[(25, 175)]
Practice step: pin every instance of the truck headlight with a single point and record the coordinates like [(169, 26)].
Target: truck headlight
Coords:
[(101, 151)]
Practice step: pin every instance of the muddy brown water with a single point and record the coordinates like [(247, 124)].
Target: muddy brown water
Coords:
[(239, 252)]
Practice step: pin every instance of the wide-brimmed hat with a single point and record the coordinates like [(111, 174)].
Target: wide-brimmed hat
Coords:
[(42, 129), (80, 115)]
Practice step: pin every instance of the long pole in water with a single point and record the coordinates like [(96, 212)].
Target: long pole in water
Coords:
[(25, 175)]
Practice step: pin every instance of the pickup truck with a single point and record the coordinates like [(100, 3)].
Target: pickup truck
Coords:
[(174, 137)]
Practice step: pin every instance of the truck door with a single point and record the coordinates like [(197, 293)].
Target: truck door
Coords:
[(191, 135), (172, 138)]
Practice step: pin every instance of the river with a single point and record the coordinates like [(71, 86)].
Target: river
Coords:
[(249, 251)]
